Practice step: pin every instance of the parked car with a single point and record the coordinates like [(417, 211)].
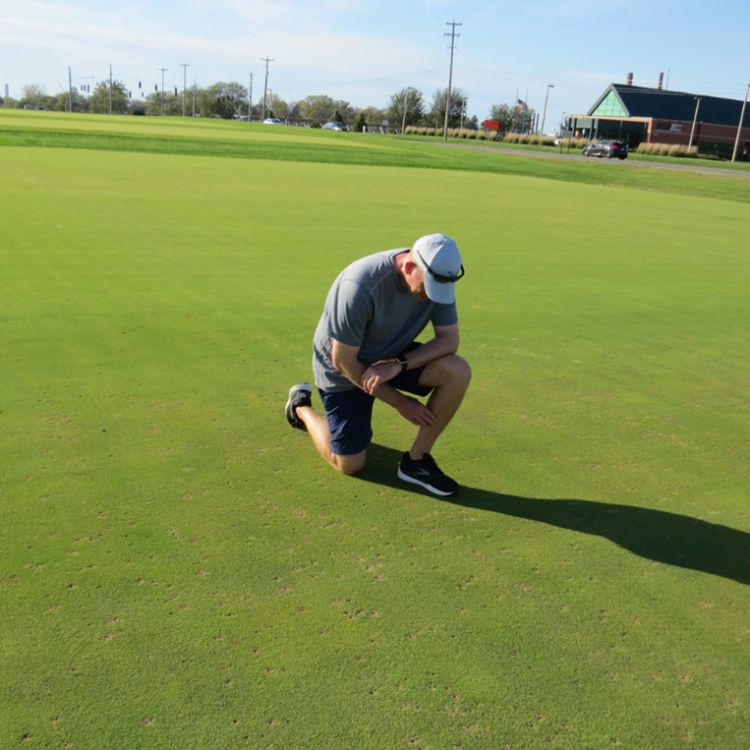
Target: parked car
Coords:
[(606, 149), (334, 126), (273, 121)]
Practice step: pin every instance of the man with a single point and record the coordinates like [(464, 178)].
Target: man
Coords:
[(364, 348)]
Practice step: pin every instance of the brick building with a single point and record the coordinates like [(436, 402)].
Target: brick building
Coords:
[(636, 114)]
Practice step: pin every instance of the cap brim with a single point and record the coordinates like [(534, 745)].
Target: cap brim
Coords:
[(444, 293)]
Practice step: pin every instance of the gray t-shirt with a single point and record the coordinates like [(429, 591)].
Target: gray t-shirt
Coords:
[(369, 306)]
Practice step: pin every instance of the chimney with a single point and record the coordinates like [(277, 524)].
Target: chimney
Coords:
[(661, 81), (630, 80)]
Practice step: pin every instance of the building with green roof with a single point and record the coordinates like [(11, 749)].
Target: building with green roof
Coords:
[(635, 114)]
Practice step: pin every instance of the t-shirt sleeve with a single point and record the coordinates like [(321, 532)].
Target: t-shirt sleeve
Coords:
[(350, 312), (444, 315)]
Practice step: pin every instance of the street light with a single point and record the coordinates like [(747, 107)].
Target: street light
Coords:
[(546, 96), (739, 126), (695, 119)]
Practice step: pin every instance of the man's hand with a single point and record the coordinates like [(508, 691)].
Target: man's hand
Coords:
[(378, 373), (416, 412)]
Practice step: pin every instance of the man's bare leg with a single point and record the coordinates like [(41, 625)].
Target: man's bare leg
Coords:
[(317, 426), (450, 377)]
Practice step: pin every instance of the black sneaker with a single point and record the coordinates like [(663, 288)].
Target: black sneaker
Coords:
[(299, 395), (427, 474)]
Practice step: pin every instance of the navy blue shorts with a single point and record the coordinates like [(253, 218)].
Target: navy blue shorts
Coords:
[(349, 412)]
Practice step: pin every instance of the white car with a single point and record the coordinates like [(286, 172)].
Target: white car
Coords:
[(334, 126), (273, 121)]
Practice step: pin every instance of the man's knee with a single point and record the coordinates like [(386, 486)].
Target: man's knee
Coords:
[(351, 464), (451, 369)]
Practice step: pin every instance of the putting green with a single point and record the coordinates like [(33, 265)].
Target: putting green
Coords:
[(180, 569)]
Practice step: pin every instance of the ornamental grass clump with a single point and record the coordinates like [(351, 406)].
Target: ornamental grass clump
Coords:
[(667, 149)]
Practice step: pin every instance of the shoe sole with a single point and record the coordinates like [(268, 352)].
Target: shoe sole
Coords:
[(287, 407), (426, 485)]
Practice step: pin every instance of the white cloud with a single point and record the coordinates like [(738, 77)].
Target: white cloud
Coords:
[(306, 43)]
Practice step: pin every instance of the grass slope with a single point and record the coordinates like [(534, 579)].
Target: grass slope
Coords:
[(180, 569), (257, 141)]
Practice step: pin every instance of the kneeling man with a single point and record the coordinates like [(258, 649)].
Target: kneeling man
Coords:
[(364, 348)]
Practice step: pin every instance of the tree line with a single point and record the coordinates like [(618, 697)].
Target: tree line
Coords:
[(229, 100)]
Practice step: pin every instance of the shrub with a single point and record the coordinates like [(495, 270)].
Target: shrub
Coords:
[(667, 149)]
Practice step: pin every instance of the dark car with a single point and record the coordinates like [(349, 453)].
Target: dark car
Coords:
[(608, 149)]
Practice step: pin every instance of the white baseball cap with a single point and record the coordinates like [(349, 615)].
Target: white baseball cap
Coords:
[(439, 259)]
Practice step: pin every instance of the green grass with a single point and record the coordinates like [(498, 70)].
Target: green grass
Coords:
[(179, 568), (235, 140)]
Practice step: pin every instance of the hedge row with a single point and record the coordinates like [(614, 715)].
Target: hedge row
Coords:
[(657, 149), (667, 149), (482, 135), (533, 138)]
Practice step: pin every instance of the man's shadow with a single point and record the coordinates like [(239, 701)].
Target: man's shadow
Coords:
[(654, 534)]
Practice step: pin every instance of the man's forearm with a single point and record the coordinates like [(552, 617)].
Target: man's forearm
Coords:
[(430, 351), (352, 370)]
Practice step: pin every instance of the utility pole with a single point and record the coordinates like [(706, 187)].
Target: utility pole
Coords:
[(110, 89), (250, 100), (695, 119), (265, 88), (163, 71), (739, 126), (70, 90), (185, 66), (194, 83), (453, 36), (544, 115)]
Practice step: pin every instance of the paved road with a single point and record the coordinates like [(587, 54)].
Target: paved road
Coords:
[(627, 163)]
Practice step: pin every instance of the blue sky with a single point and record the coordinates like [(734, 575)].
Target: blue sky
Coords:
[(363, 51)]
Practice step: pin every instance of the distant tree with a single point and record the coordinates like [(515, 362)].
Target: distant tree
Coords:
[(321, 108), (34, 95), (152, 104), (360, 122), (276, 107), (223, 99), (99, 99), (344, 111), (513, 118), (373, 117), (63, 99), (455, 111), (406, 107), (294, 112), (317, 108)]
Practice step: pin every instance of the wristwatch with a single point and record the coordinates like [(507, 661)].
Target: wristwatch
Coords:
[(402, 361)]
